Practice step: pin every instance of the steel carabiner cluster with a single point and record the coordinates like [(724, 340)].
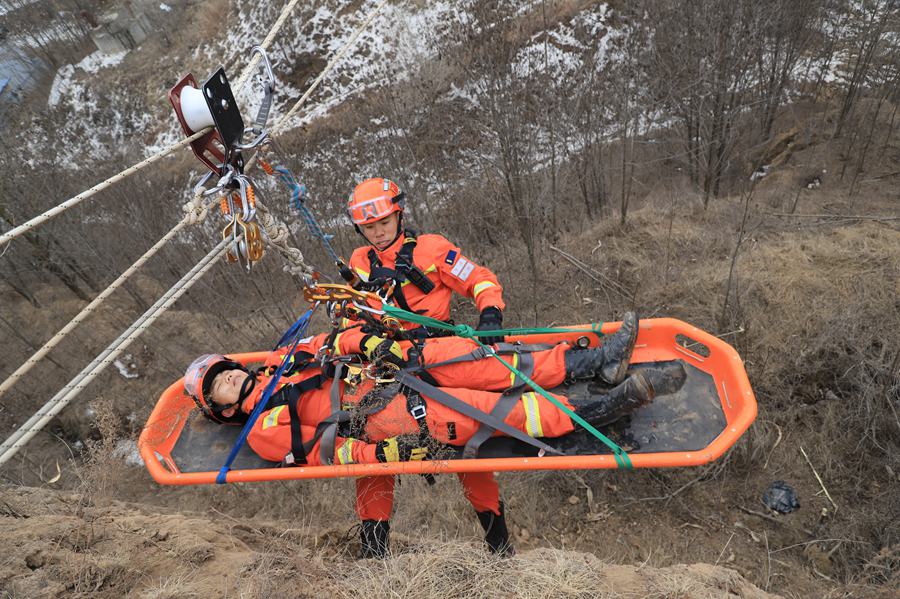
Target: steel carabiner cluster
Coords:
[(221, 150)]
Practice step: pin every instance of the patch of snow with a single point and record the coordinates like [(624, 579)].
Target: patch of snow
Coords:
[(165, 7), (99, 60), (125, 370), (127, 450), (760, 173), (13, 5), (61, 84)]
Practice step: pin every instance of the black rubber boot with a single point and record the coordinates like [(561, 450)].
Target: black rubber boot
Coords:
[(495, 533), (374, 538), (608, 362), (639, 388)]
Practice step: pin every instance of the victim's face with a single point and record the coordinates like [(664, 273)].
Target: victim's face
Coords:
[(226, 390)]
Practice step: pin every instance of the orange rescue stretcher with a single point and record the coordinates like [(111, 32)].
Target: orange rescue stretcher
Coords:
[(693, 426)]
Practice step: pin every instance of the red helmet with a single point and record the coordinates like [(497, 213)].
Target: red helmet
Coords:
[(198, 379), (374, 199)]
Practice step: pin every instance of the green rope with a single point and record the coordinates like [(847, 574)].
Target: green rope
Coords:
[(462, 330)]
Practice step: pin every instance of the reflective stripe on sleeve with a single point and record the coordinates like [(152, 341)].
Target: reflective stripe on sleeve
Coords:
[(481, 287), (512, 375), (345, 453), (271, 418), (362, 273), (532, 415)]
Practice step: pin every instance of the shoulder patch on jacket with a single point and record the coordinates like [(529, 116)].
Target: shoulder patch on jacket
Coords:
[(451, 256), (463, 269)]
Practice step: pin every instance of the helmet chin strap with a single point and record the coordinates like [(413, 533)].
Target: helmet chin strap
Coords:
[(247, 388)]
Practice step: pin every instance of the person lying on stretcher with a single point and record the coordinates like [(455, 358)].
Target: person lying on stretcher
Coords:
[(393, 422)]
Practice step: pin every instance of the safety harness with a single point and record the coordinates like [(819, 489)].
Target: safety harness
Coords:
[(404, 270)]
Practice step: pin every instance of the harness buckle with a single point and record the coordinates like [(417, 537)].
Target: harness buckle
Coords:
[(418, 411)]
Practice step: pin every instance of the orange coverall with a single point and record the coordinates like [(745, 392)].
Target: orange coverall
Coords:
[(446, 267), (271, 435), (444, 264)]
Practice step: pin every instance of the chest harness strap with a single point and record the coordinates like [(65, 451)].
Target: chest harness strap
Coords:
[(405, 269)]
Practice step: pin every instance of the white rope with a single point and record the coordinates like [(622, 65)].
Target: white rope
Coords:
[(34, 424), (278, 235), (196, 211), (277, 232), (87, 310), (328, 67), (42, 218), (245, 75), (266, 42)]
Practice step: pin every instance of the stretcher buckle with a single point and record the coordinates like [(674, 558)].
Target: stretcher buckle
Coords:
[(418, 411)]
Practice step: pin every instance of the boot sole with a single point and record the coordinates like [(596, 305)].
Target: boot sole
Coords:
[(626, 361)]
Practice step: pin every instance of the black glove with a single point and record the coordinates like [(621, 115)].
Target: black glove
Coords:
[(491, 320), (374, 285), (403, 448)]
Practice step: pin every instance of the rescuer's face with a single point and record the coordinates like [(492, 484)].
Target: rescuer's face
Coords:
[(226, 390), (382, 232)]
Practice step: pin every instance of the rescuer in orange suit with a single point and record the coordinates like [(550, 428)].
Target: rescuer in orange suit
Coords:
[(227, 392), (424, 270)]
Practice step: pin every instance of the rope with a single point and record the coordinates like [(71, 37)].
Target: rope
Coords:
[(245, 75), (329, 66), (42, 218), (276, 26), (296, 331), (276, 231), (34, 424), (621, 457), (195, 209), (298, 203), (464, 330), (278, 235), (87, 310)]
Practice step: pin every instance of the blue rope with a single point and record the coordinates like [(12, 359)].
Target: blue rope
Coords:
[(289, 334), (298, 203), (299, 328)]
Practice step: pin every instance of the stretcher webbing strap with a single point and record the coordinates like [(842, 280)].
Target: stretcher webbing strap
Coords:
[(329, 436), (300, 328), (457, 405), (503, 407), (480, 353), (621, 457)]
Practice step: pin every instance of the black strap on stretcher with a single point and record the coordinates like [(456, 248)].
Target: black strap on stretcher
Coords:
[(504, 406), (457, 405), (483, 352)]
